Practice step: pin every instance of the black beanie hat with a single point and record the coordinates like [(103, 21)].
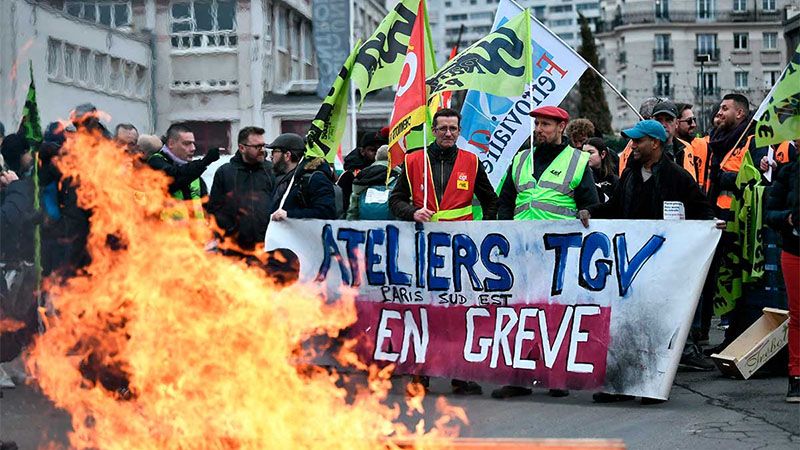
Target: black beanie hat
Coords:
[(12, 148)]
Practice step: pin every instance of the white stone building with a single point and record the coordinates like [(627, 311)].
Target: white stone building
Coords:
[(650, 49), (477, 16), (216, 64)]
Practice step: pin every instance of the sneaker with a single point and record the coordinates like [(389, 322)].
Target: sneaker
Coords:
[(461, 387), (699, 337), (558, 392), (693, 360), (652, 401), (793, 396), (718, 349), (511, 391), (602, 397), (724, 323)]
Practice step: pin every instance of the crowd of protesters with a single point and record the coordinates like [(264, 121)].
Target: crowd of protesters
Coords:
[(569, 173)]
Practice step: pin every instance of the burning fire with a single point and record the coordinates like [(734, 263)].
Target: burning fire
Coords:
[(161, 344)]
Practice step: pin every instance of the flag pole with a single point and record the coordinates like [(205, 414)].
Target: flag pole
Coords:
[(602, 77), (354, 126)]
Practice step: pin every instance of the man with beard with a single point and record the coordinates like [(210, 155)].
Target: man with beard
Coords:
[(695, 149), (548, 182), (358, 160), (241, 195), (309, 181)]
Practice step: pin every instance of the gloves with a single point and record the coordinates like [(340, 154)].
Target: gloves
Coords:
[(211, 156)]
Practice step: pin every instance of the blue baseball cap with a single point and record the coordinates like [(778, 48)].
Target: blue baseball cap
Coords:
[(644, 128)]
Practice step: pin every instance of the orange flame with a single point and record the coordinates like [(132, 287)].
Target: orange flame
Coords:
[(163, 345), (10, 325)]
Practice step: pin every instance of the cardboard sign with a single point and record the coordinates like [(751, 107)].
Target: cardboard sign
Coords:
[(544, 302)]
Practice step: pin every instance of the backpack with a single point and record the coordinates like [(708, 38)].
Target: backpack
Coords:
[(337, 193), (373, 202)]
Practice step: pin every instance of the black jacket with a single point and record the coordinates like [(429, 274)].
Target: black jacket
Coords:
[(17, 221), (633, 198), (605, 185), (783, 199), (312, 195), (182, 176), (241, 200), (353, 163), (442, 162), (543, 156)]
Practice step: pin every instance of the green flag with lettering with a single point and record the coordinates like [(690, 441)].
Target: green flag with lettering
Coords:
[(498, 64), (30, 125), (327, 128), (381, 57), (780, 120)]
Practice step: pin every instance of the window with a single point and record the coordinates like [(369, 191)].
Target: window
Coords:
[(708, 84), (456, 17), (83, 65), (308, 47), (771, 78), (770, 41), (481, 15), (69, 61), (662, 9), (567, 36), (539, 11), (561, 22), (203, 23), (282, 38), (111, 13), (663, 50), (560, 8), (115, 75), (447, 4), (100, 71), (768, 5), (739, 5), (585, 6), (663, 86), (740, 41), (707, 44), (705, 9), (53, 57), (741, 80)]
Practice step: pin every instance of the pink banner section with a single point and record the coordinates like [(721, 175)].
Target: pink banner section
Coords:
[(550, 345)]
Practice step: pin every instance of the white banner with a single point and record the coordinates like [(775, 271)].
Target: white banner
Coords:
[(493, 127), (546, 303)]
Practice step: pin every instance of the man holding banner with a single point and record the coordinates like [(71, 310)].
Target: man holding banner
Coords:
[(547, 182), (456, 178)]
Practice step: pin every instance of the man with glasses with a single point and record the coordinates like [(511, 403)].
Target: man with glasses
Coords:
[(695, 149), (455, 177), (241, 195), (309, 181)]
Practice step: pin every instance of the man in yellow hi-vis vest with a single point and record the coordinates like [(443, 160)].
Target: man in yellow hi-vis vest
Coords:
[(548, 182)]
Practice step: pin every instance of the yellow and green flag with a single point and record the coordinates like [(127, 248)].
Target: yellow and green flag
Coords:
[(327, 128), (498, 64), (381, 58), (780, 120)]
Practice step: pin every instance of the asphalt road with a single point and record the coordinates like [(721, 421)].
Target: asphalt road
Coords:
[(705, 411)]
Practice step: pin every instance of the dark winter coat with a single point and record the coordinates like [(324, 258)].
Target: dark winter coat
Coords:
[(633, 198), (311, 195), (17, 221), (374, 175), (783, 199), (241, 200), (354, 162)]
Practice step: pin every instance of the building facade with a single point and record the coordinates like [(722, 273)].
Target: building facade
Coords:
[(692, 51), (476, 16), (217, 65)]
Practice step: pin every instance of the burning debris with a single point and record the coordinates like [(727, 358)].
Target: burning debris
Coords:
[(161, 344)]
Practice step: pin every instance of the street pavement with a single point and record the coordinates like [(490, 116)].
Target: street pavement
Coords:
[(705, 411)]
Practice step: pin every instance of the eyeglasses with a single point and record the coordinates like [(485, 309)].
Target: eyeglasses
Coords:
[(277, 150), (453, 130), (255, 146), (689, 120)]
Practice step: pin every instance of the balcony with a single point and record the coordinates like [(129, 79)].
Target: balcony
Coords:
[(690, 16), (708, 92), (713, 52), (663, 55), (771, 56), (622, 58), (668, 91)]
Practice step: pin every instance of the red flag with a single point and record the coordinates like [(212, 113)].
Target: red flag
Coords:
[(447, 96), (410, 103)]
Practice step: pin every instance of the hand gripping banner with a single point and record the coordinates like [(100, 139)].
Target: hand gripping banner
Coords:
[(544, 303)]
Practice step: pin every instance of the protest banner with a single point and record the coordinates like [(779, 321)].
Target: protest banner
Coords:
[(544, 303), (495, 127)]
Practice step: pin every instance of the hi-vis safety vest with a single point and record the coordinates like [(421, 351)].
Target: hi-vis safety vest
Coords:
[(782, 153), (732, 162), (695, 160), (456, 202), (181, 211), (551, 197)]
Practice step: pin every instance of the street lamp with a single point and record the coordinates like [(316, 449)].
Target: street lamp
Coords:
[(702, 58)]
